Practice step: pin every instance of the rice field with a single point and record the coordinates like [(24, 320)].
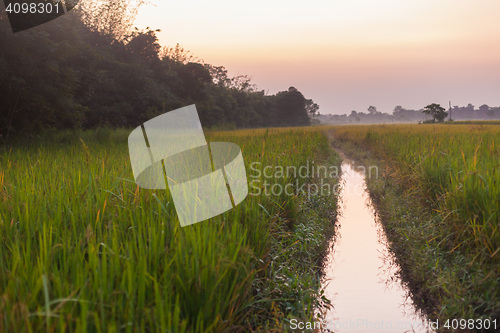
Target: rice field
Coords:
[(83, 248), (444, 217)]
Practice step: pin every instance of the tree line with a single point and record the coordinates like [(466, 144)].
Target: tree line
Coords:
[(82, 72), (430, 113)]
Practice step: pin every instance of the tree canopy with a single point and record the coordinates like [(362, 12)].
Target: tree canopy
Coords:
[(79, 72), (437, 112)]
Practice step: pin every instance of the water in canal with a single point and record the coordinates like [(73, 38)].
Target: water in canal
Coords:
[(361, 275)]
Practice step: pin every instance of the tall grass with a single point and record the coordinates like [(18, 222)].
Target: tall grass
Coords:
[(454, 171), (82, 248)]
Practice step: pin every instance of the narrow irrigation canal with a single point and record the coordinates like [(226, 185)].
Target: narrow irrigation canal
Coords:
[(361, 280)]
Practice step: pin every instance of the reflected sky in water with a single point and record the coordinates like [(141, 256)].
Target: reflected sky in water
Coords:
[(361, 274)]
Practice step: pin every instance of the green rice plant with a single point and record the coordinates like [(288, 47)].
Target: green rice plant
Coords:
[(83, 248), (454, 172)]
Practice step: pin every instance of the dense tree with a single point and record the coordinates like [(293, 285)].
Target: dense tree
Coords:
[(437, 112), (311, 107), (177, 54), (491, 112), (219, 75), (397, 110), (37, 79), (143, 45), (112, 18), (372, 109), (291, 108), (484, 108), (70, 73)]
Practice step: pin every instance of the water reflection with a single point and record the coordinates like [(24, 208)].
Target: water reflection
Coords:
[(361, 276)]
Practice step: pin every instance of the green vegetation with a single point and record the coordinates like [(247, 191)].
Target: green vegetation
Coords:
[(76, 72), (439, 201), (485, 113), (82, 248), (476, 122), (436, 111)]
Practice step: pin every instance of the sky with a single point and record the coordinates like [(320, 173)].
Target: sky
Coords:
[(345, 55)]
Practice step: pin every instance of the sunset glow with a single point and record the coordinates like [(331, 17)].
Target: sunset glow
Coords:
[(346, 55)]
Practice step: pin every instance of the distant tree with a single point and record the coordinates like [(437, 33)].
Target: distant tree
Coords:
[(437, 112), (397, 109), (491, 112), (372, 109), (311, 107), (355, 115), (484, 108)]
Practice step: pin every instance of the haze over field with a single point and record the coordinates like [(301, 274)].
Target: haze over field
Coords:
[(346, 55)]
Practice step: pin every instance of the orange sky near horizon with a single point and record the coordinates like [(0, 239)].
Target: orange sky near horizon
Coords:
[(346, 55)]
